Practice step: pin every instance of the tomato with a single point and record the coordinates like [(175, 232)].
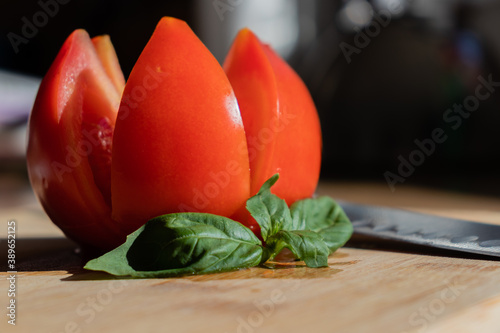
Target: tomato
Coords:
[(69, 147), (104, 157), (179, 142), (281, 122)]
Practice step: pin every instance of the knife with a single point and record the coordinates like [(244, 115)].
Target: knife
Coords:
[(423, 229)]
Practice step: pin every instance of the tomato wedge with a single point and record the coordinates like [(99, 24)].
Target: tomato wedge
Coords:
[(69, 146), (281, 122), (179, 142)]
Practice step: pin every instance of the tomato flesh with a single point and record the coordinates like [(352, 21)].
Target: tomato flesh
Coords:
[(107, 55)]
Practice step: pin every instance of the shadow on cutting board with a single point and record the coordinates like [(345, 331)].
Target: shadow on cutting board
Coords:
[(61, 254), (285, 267), (44, 254)]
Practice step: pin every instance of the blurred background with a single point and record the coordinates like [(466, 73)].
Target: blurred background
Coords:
[(383, 73)]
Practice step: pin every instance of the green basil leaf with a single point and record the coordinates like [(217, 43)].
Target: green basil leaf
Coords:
[(270, 212), (306, 245), (115, 261), (324, 216), (183, 243)]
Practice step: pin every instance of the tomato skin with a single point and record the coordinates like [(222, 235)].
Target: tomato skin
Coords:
[(281, 122), (57, 162), (179, 142)]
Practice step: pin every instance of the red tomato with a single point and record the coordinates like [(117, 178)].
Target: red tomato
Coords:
[(69, 147), (281, 122), (177, 140)]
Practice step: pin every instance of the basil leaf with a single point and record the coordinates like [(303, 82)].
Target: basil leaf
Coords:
[(183, 243), (270, 212), (324, 216), (310, 228), (306, 245), (115, 261)]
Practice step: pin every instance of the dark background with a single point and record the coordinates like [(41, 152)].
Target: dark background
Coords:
[(372, 106)]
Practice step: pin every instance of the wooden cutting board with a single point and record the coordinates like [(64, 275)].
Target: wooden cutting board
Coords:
[(364, 289)]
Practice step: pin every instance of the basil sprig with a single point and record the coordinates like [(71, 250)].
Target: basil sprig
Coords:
[(199, 243), (325, 217)]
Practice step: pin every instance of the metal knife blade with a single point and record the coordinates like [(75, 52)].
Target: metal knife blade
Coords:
[(423, 229)]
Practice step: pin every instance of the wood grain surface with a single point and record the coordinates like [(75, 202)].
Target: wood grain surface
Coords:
[(366, 288)]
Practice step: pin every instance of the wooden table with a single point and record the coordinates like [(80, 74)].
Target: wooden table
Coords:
[(366, 289)]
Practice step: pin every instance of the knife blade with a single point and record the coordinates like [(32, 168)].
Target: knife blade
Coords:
[(423, 229)]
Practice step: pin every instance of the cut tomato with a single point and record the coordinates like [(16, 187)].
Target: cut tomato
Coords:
[(179, 142), (281, 122), (103, 163), (69, 149)]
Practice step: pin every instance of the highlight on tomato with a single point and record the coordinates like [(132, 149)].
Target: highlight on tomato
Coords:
[(182, 134)]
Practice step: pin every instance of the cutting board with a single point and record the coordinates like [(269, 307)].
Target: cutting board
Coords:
[(366, 288)]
